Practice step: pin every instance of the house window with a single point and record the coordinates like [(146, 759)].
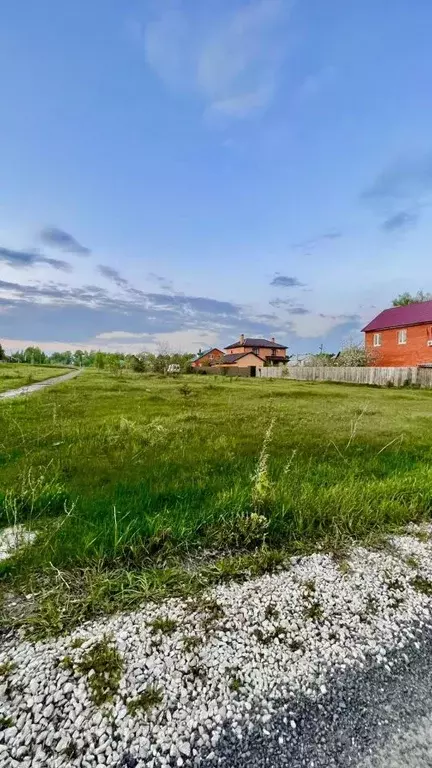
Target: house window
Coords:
[(255, 350), (377, 339), (402, 336)]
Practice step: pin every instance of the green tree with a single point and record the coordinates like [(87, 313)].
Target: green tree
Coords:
[(2, 353), (100, 360), (408, 298)]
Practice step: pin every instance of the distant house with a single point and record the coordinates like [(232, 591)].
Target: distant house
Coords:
[(401, 336), (242, 360), (258, 352), (206, 358)]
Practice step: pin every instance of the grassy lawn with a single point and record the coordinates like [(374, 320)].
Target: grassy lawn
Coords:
[(130, 480), (17, 375)]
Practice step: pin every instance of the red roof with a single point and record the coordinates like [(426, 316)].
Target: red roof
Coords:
[(399, 317)]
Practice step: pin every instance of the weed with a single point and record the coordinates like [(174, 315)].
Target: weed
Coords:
[(6, 668), (422, 536), (262, 489), (77, 642), (5, 722), (191, 642), (265, 638), (185, 390), (296, 645), (146, 701), (314, 612), (412, 561), (235, 684), (103, 666), (395, 585), (371, 605), (422, 585), (164, 625), (344, 567), (271, 612), (67, 663), (71, 750)]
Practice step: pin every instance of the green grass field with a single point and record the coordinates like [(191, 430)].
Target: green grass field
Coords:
[(13, 376), (129, 480)]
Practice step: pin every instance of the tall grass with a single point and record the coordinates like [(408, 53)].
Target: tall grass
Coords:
[(131, 473)]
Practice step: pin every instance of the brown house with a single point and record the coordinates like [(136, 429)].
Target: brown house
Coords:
[(401, 336), (258, 352), (208, 357)]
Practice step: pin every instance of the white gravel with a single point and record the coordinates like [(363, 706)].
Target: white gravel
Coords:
[(256, 648), (13, 538)]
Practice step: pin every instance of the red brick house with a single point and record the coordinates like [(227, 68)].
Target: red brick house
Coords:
[(262, 350), (208, 357), (401, 336)]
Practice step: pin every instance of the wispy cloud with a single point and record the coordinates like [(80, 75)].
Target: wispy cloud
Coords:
[(58, 238), (230, 60), (314, 242), (112, 274), (25, 259), (284, 281), (408, 178), (400, 221), (163, 282), (400, 191)]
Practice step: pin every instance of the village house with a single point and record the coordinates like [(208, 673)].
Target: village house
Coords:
[(401, 336), (207, 357), (254, 352)]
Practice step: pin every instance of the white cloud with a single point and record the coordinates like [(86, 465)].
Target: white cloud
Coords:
[(316, 325), (120, 335), (231, 62)]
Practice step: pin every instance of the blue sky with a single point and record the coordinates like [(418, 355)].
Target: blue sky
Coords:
[(174, 173)]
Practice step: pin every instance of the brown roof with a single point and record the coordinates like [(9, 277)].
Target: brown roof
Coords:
[(206, 352), (256, 343), (230, 359)]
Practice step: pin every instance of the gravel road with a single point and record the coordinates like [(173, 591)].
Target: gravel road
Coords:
[(28, 390), (320, 665)]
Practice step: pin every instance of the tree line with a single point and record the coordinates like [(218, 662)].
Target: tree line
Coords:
[(144, 362)]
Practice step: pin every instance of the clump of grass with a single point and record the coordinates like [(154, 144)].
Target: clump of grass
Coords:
[(412, 561), (67, 663), (102, 664), (296, 645), (191, 642), (6, 668), (262, 488), (235, 684), (422, 585), (371, 605), (185, 390), (271, 612), (164, 625), (5, 722), (265, 638), (315, 611), (344, 567), (146, 701), (395, 585), (77, 642)]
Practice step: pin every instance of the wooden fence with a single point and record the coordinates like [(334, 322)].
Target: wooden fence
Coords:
[(381, 377)]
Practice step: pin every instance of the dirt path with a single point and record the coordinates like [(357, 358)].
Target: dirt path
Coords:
[(28, 390)]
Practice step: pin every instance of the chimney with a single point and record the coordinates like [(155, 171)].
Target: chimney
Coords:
[(242, 338), (272, 339)]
